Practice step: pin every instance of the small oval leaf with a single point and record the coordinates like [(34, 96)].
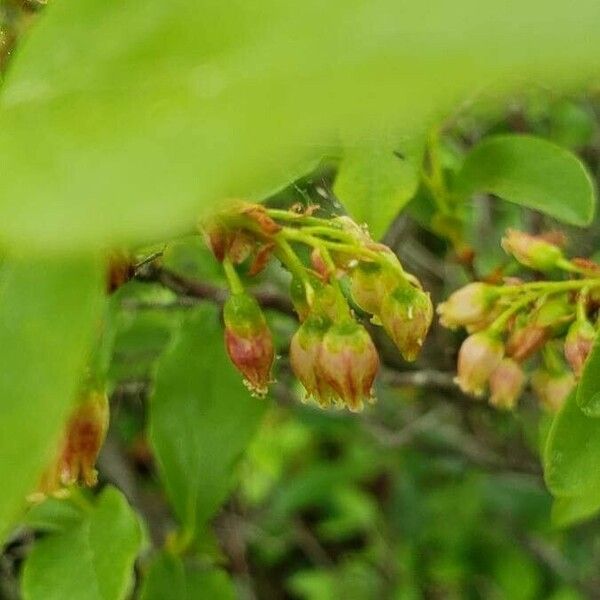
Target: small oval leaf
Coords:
[(533, 173)]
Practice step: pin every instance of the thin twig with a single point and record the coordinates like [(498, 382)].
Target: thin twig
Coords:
[(187, 287)]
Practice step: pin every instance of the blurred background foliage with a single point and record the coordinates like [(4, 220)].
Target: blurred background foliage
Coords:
[(427, 494)]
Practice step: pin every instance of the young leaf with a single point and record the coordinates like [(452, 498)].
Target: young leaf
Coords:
[(201, 419), (531, 172), (144, 113), (90, 560), (49, 309), (375, 183), (572, 455), (169, 578), (588, 391)]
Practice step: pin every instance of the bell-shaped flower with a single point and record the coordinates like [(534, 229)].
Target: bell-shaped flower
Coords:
[(506, 384), (467, 306), (249, 341), (406, 316), (348, 363), (479, 356), (578, 344)]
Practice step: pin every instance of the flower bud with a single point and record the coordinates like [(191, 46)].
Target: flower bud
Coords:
[(524, 342), (552, 389), (78, 448), (85, 435), (319, 265), (406, 315), (305, 349), (532, 331), (366, 286), (348, 363), (506, 384), (479, 356), (257, 213), (262, 254), (578, 344), (467, 306), (532, 251), (249, 341)]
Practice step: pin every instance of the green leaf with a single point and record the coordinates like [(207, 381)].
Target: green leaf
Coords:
[(572, 454), (48, 312), (142, 114), (52, 515), (567, 511), (169, 578), (201, 419), (92, 560), (588, 391), (375, 183), (531, 172)]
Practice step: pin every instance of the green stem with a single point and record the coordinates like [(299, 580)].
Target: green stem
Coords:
[(500, 323), (292, 217), (328, 231), (311, 240), (549, 287), (569, 267), (233, 279), (582, 305), (290, 259)]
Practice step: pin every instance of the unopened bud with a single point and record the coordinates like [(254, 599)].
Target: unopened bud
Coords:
[(479, 356), (348, 363), (305, 349), (258, 214), (367, 281), (78, 448), (532, 251), (467, 306), (524, 342), (506, 384), (262, 255), (84, 437), (406, 315), (249, 341), (578, 344), (319, 265), (552, 389), (532, 331), (217, 237)]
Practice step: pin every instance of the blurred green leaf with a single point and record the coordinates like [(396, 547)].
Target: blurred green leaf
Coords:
[(588, 391), (531, 172), (375, 183), (571, 124), (144, 114), (568, 511), (572, 455), (201, 419), (92, 560), (49, 309), (168, 577)]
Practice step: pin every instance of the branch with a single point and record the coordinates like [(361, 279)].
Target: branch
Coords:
[(192, 288)]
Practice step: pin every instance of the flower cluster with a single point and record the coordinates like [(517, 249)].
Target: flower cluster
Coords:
[(543, 327), (337, 272), (78, 447)]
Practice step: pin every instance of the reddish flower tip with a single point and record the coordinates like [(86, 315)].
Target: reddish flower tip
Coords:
[(249, 342)]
